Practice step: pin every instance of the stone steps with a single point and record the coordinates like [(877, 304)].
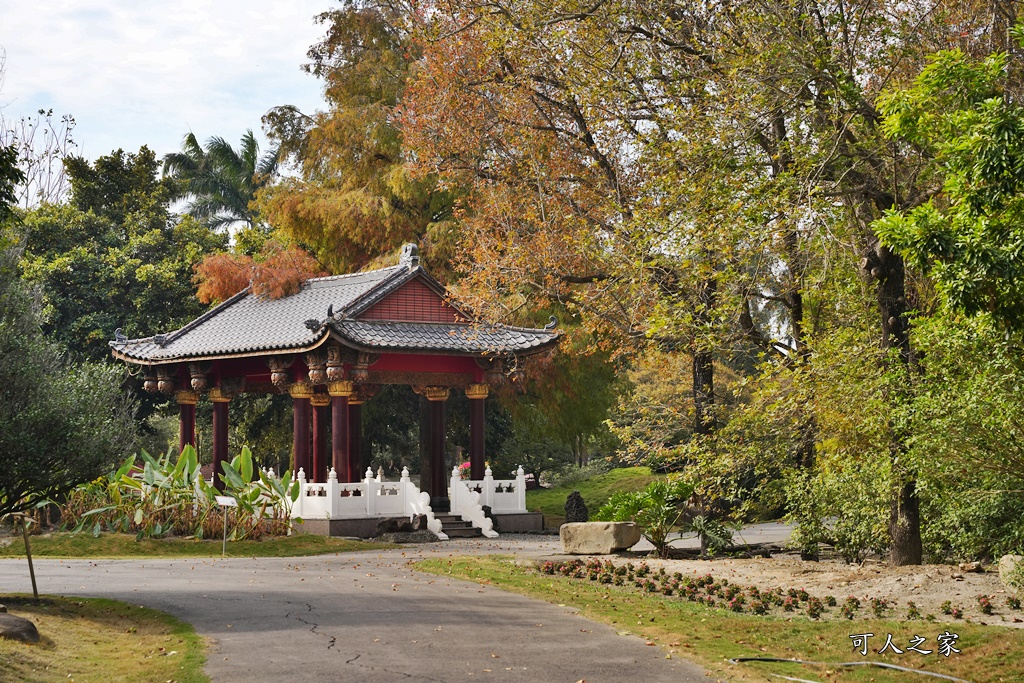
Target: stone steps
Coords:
[(456, 527)]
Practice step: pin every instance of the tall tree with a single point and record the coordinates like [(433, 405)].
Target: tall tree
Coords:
[(114, 257), (666, 168), (354, 200), (60, 423), (221, 182)]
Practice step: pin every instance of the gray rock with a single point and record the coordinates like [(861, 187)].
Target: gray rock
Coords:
[(18, 628), (394, 526), (422, 536), (598, 538), (1010, 570), (576, 509)]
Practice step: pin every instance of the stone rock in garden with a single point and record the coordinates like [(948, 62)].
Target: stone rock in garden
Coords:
[(489, 514), (971, 567), (598, 538), (393, 526), (3, 609), (419, 523), (422, 536), (18, 628), (1007, 566), (576, 509)]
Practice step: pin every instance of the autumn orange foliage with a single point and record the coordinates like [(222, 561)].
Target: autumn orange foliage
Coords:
[(277, 272)]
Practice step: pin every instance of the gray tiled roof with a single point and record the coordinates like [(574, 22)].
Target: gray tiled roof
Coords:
[(246, 324), (468, 338)]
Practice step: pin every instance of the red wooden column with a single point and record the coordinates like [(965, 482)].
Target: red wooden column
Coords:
[(340, 391), (355, 437), (438, 397), (300, 393), (476, 393), (220, 400), (186, 418), (319, 403)]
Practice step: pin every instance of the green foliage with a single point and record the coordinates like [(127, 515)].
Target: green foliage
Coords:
[(596, 491), (221, 183), (971, 132), (166, 498), (657, 509), (10, 177), (114, 257), (354, 199), (96, 276), (60, 423), (572, 473)]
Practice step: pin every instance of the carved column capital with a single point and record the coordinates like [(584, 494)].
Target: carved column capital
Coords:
[(150, 383), (360, 373), (317, 360), (186, 398), (319, 400), (165, 380), (279, 370), (477, 391), (300, 390), (336, 359), (341, 388), (433, 393), (220, 395), (197, 371)]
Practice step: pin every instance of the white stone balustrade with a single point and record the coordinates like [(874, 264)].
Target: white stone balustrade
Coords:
[(502, 495), (371, 497)]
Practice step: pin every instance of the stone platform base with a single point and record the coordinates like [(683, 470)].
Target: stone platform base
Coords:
[(366, 527), (518, 522), (361, 527)]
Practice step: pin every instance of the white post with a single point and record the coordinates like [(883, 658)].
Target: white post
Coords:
[(301, 502), (333, 494), (488, 493), (403, 491), (454, 489), (371, 493), (520, 489)]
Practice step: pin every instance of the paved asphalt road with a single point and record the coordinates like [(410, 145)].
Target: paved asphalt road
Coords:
[(365, 617)]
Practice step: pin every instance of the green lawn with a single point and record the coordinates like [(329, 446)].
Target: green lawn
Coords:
[(595, 491), (90, 639), (66, 545), (710, 635)]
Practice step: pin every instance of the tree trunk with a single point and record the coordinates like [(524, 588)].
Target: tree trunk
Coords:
[(888, 270), (704, 367)]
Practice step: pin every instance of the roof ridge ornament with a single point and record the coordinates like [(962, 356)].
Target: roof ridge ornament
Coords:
[(410, 256), (552, 323)]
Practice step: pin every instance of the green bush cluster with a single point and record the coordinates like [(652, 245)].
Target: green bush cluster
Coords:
[(171, 498)]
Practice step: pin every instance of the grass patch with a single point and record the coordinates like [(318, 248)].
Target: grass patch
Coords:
[(82, 545), (710, 636), (92, 639), (595, 491)]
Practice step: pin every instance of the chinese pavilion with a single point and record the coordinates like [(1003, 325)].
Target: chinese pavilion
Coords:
[(329, 346)]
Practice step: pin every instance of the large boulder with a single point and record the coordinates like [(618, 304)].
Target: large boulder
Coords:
[(1010, 570), (18, 628), (576, 509), (598, 538)]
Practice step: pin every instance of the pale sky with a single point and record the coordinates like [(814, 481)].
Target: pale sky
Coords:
[(133, 72)]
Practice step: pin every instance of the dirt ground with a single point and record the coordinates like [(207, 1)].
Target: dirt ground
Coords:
[(928, 586)]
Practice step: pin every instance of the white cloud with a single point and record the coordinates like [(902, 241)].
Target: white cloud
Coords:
[(134, 73)]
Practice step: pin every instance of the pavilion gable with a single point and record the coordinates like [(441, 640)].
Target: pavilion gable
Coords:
[(413, 301)]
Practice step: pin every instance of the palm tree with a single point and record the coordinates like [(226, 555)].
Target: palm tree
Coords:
[(219, 182)]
